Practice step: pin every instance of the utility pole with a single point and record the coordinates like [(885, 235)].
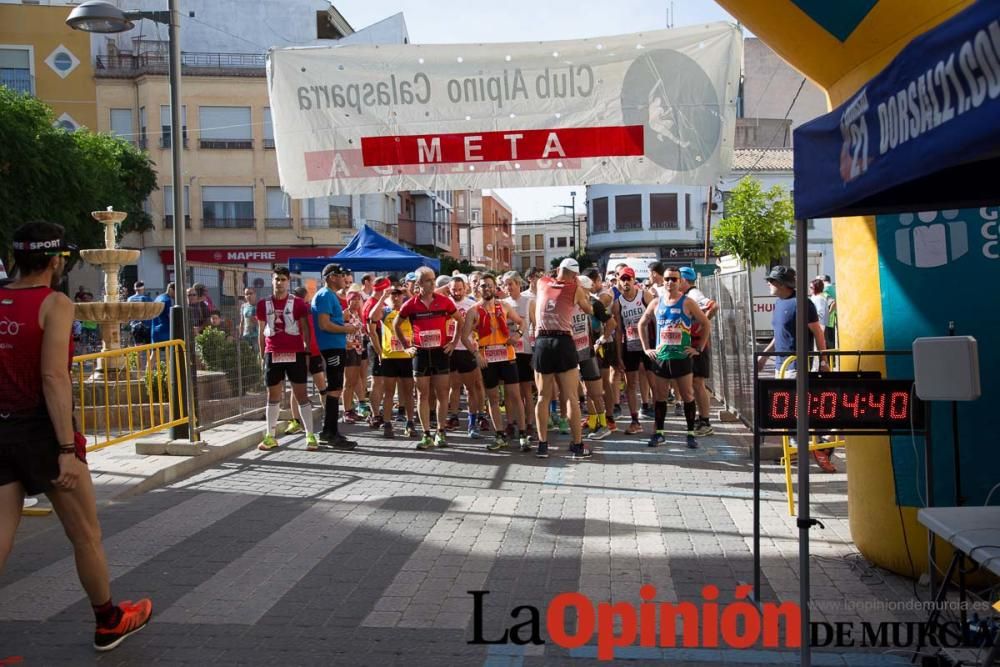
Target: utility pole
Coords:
[(576, 227)]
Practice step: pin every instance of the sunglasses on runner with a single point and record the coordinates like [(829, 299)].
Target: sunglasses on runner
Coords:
[(624, 279), (671, 279)]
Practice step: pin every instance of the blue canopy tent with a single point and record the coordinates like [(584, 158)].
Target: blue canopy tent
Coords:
[(922, 135), (368, 251)]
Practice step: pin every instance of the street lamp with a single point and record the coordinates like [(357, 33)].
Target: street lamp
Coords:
[(103, 17), (576, 233)]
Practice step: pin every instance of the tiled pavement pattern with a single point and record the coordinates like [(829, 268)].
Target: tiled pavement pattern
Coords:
[(332, 558)]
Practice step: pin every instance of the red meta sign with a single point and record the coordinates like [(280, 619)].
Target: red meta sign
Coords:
[(247, 255), (503, 146)]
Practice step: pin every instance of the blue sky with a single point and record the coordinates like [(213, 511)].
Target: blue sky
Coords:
[(465, 21)]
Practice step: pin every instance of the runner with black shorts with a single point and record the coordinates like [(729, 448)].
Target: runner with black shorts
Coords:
[(606, 348), (555, 358), (40, 452), (397, 364), (375, 304), (524, 304), (464, 369), (628, 310), (316, 368), (587, 329), (429, 314), (700, 338), (495, 356), (283, 344), (331, 332), (671, 357)]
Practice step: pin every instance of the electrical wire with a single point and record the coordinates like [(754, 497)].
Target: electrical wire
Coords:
[(778, 129)]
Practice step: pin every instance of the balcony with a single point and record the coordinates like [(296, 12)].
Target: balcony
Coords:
[(389, 231), (629, 225), (168, 222), (663, 224), (20, 81), (225, 144), (229, 223), (327, 223), (277, 223), (124, 64), (268, 143)]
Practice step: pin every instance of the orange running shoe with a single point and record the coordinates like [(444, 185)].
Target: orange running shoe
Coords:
[(134, 618), (611, 424), (634, 428)]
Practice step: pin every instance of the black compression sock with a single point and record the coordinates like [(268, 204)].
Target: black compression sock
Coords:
[(660, 414), (690, 409)]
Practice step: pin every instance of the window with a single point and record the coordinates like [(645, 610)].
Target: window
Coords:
[(689, 221), (561, 242), (525, 242), (525, 263), (15, 69), (168, 207), (539, 242), (121, 124), (279, 209), (601, 214), (552, 242), (225, 127), (165, 125), (268, 129), (540, 262), (142, 127), (662, 211), (227, 207), (572, 242), (628, 212), (327, 212)]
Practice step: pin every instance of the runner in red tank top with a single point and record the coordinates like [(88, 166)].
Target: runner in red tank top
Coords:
[(555, 359), (39, 449)]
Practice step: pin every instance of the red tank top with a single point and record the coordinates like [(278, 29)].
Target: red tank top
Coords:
[(554, 304), (21, 352)]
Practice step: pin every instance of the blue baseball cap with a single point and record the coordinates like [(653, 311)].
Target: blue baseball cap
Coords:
[(410, 277), (688, 274)]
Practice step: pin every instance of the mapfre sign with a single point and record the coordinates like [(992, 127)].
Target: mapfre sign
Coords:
[(654, 107)]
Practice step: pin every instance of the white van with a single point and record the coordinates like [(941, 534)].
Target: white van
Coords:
[(638, 262)]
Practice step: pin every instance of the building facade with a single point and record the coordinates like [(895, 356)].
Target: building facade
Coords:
[(540, 242)]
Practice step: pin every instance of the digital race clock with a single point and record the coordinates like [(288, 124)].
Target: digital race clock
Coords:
[(841, 403)]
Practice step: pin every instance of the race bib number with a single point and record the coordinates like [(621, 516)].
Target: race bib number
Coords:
[(670, 336), (495, 353), (395, 345), (632, 332), (519, 345), (282, 357), (430, 338), (451, 326), (581, 341)]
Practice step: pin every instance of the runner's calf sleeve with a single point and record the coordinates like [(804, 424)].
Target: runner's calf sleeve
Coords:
[(271, 412), (332, 414), (690, 409), (660, 413)]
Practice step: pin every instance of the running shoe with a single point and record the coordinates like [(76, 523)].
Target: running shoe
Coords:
[(452, 423), (678, 409), (578, 451), (293, 427), (474, 433), (312, 444), (647, 412), (340, 442), (599, 433), (542, 452), (439, 440), (499, 442), (823, 461), (612, 426), (410, 430), (655, 440), (268, 443), (134, 617), (633, 428), (484, 424), (563, 426), (701, 428), (691, 442), (387, 431), (364, 410), (351, 417), (426, 442), (525, 441), (553, 421)]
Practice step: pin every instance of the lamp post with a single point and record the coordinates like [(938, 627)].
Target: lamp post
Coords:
[(103, 17), (576, 229)]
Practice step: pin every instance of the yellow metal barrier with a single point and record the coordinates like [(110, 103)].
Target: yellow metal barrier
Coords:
[(789, 450), (127, 393)]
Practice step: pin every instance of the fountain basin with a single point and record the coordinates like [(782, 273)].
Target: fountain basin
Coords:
[(118, 311), (110, 256)]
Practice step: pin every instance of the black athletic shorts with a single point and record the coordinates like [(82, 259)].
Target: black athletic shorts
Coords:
[(500, 371), (463, 361), (33, 460), (352, 358), (334, 368), (364, 353), (634, 360), (554, 354), (589, 370), (431, 361), (673, 368), (701, 364), (397, 368), (295, 371), (376, 361), (608, 356), (525, 373), (316, 365)]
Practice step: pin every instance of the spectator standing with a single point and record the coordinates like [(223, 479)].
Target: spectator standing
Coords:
[(160, 328)]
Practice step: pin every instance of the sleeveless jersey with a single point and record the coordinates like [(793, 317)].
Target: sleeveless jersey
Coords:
[(463, 307), (673, 330), (520, 305), (391, 347), (581, 334), (355, 340), (631, 314), (705, 304), (22, 401), (554, 304), (494, 334)]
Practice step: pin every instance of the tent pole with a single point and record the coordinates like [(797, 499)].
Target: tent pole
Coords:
[(802, 366)]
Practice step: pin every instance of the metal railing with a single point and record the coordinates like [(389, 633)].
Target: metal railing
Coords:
[(664, 224), (228, 223), (226, 144), (157, 62), (327, 223), (17, 80), (628, 225), (128, 393), (278, 223)]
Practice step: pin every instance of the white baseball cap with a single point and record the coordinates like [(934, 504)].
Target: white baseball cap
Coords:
[(585, 282), (570, 264)]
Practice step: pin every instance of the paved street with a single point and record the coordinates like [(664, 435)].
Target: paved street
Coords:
[(330, 558)]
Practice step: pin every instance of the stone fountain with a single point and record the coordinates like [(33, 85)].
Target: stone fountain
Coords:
[(112, 312)]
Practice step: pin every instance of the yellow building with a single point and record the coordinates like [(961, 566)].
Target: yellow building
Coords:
[(40, 55)]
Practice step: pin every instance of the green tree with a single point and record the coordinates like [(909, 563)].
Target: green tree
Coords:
[(758, 224), (581, 256), (51, 174)]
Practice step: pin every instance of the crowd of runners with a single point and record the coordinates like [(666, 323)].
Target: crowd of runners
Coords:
[(522, 357)]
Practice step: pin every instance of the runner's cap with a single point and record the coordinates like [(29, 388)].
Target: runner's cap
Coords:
[(570, 264)]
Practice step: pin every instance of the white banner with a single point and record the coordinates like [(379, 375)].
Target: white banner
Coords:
[(654, 107)]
